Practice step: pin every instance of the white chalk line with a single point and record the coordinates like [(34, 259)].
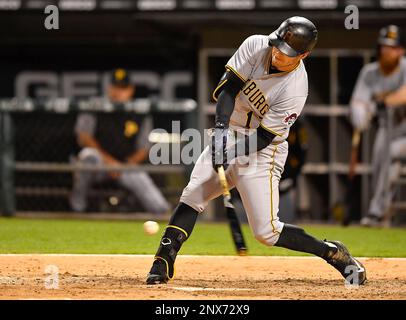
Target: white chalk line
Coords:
[(193, 289), (179, 257)]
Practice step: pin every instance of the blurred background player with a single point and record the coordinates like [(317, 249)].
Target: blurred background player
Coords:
[(381, 85), (112, 141)]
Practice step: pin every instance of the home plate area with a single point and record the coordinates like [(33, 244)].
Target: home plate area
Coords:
[(77, 276)]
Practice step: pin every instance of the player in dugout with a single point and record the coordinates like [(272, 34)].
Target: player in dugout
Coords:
[(263, 90), (111, 141), (381, 85)]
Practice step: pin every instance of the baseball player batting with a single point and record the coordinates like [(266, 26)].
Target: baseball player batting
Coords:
[(264, 88)]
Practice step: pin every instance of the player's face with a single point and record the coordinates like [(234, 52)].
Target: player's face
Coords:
[(121, 94), (283, 62), (391, 55)]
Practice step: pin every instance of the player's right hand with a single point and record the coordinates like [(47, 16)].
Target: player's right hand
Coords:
[(219, 147)]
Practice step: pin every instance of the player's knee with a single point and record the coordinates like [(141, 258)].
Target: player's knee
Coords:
[(267, 237), (193, 198), (89, 155), (261, 238)]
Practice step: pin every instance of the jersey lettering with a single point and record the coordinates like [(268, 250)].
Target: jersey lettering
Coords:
[(256, 97)]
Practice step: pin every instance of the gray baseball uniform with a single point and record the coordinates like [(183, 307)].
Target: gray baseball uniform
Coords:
[(371, 82), (272, 101), (138, 182)]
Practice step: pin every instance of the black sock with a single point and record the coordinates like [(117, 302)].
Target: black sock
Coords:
[(184, 217), (178, 231), (295, 238)]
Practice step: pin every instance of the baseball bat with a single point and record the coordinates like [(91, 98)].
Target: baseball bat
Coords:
[(235, 226), (349, 199)]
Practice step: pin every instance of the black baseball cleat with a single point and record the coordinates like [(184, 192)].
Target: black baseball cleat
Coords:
[(350, 268), (158, 273)]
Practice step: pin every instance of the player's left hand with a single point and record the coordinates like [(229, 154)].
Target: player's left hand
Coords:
[(219, 147)]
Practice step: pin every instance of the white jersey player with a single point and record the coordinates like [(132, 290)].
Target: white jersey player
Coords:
[(264, 90), (382, 84)]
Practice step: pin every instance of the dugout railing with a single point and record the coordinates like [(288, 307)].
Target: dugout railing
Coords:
[(12, 164)]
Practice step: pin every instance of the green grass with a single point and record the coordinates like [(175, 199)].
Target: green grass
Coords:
[(127, 237)]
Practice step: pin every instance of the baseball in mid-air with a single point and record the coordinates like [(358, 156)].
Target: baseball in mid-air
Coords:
[(151, 227)]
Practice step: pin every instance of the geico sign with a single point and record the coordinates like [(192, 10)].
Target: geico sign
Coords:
[(92, 83)]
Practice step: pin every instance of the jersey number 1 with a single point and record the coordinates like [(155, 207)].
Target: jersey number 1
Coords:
[(249, 118)]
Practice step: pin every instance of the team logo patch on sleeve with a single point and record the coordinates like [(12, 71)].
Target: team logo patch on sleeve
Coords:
[(290, 119)]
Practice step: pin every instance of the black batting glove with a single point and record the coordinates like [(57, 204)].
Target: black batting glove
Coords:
[(219, 146)]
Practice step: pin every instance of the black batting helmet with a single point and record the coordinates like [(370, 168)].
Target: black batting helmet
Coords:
[(294, 36), (390, 36)]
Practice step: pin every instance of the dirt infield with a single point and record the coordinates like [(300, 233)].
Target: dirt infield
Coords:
[(197, 277)]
